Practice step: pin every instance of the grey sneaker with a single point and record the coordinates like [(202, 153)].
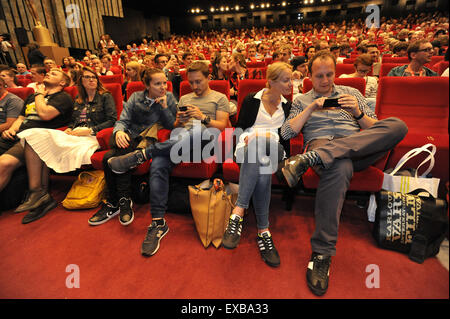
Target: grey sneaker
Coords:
[(122, 164), (232, 235), (318, 273), (154, 235)]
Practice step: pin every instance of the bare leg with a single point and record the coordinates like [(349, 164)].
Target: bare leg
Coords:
[(8, 164)]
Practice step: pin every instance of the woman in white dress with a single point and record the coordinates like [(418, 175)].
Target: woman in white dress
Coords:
[(68, 150)]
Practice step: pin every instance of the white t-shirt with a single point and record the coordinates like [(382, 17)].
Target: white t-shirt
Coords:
[(445, 73)]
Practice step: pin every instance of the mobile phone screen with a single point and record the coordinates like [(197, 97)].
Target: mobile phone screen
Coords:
[(331, 102), (183, 108)]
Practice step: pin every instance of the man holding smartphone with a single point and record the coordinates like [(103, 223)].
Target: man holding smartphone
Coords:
[(340, 139), (203, 105)]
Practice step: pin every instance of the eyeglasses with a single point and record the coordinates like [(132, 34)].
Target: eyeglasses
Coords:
[(89, 77), (426, 50), (363, 71)]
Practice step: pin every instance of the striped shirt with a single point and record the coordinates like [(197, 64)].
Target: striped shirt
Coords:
[(326, 123)]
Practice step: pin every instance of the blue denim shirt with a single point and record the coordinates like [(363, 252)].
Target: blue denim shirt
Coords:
[(140, 112), (326, 123)]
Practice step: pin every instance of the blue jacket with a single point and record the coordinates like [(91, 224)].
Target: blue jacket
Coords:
[(139, 113)]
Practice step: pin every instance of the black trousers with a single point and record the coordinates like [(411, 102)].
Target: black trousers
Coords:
[(118, 185)]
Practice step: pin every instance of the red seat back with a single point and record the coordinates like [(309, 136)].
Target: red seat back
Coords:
[(116, 91), (422, 103), (23, 81), (256, 64), (221, 86), (342, 68), (116, 78), (349, 60), (403, 60), (137, 86), (440, 67), (268, 60), (72, 90), (23, 93), (386, 67), (357, 83), (116, 69), (434, 59)]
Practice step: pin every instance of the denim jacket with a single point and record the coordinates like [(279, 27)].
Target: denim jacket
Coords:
[(100, 113), (140, 112)]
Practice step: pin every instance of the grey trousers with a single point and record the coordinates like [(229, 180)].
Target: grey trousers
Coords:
[(340, 158)]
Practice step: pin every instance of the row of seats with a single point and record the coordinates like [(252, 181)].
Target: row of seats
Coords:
[(423, 103)]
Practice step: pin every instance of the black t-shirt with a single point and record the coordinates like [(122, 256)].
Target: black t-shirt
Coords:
[(62, 101)]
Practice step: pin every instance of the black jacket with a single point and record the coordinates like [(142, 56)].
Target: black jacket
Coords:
[(249, 112)]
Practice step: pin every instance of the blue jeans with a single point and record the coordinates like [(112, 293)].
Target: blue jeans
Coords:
[(162, 165), (255, 181)]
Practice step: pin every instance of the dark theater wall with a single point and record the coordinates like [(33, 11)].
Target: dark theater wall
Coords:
[(56, 16)]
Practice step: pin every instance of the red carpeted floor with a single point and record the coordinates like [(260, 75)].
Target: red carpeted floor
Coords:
[(34, 257)]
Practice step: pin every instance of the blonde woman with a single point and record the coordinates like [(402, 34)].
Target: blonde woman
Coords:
[(261, 117), (132, 74)]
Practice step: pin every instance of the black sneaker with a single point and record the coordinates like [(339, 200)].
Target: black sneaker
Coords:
[(267, 249), (232, 235), (126, 215), (295, 167), (40, 211), (105, 213), (154, 235), (122, 164), (318, 273)]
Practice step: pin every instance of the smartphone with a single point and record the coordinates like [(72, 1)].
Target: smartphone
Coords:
[(183, 108), (331, 102)]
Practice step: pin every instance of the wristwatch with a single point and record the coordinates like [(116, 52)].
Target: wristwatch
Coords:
[(206, 120)]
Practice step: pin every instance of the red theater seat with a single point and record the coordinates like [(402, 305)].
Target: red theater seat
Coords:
[(116, 78), (440, 67), (402, 60), (256, 64), (342, 68), (422, 103), (23, 93), (386, 67)]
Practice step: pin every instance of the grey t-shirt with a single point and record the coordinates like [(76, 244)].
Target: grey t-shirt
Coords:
[(208, 104), (10, 106)]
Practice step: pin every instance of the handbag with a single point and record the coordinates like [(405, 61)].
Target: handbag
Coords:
[(394, 181), (211, 206), (88, 191), (410, 223)]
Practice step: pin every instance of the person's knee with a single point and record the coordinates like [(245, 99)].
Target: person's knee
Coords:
[(8, 164), (399, 129)]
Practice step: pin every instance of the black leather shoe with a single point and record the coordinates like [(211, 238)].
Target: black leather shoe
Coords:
[(122, 164), (34, 200), (294, 168), (39, 212)]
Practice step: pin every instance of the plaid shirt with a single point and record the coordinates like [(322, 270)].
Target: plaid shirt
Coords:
[(326, 124)]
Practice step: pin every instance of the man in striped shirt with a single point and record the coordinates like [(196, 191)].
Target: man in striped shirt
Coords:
[(340, 139)]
